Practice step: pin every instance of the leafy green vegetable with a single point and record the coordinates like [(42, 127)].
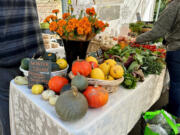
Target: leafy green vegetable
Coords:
[(151, 66), (133, 60), (129, 81), (139, 58), (134, 66)]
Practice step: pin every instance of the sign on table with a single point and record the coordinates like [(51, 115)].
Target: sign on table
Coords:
[(39, 72)]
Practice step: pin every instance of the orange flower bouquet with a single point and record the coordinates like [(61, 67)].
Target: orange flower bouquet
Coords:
[(69, 27)]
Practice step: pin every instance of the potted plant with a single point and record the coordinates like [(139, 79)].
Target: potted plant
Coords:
[(76, 32)]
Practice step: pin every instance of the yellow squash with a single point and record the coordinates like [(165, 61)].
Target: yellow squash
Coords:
[(105, 67), (37, 89), (90, 58), (110, 78), (62, 63), (117, 71), (97, 73), (111, 62)]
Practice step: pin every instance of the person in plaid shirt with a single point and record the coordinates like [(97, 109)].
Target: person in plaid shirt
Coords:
[(20, 37)]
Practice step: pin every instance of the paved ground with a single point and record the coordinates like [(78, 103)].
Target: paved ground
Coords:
[(139, 128)]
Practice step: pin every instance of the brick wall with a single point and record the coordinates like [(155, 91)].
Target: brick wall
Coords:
[(45, 7)]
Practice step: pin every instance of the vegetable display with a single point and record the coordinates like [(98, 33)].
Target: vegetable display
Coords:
[(138, 61), (92, 80)]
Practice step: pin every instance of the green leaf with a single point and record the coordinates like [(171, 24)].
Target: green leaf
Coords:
[(128, 82), (139, 58), (134, 65)]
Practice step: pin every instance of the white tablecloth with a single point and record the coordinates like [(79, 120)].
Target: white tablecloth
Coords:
[(30, 115)]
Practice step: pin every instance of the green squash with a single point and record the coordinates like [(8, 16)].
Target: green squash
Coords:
[(20, 80), (55, 67), (50, 56), (80, 82), (71, 105), (44, 25), (25, 63)]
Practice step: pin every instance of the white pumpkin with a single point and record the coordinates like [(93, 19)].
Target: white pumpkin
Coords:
[(53, 99), (47, 94)]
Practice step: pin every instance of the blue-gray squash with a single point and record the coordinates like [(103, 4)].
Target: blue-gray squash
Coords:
[(71, 105), (80, 82)]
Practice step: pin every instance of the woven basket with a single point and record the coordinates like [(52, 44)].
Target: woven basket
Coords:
[(106, 47), (93, 46), (110, 86)]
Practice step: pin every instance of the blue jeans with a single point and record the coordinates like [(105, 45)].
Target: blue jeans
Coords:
[(173, 65), (7, 74)]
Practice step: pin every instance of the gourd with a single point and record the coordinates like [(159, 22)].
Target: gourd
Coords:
[(53, 99), (71, 105), (37, 89), (91, 58), (20, 80), (56, 83), (80, 82), (117, 71), (108, 77), (111, 62), (82, 67), (50, 56), (62, 63), (105, 67), (47, 94), (97, 73), (96, 96), (55, 66), (25, 63)]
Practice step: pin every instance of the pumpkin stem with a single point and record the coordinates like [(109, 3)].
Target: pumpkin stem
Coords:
[(77, 58), (75, 90)]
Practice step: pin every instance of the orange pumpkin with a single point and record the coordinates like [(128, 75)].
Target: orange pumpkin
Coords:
[(96, 96), (56, 83), (82, 67), (93, 64)]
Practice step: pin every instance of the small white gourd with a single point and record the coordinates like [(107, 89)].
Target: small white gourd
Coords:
[(53, 99), (47, 94)]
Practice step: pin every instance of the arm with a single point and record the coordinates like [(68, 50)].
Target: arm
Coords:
[(162, 26)]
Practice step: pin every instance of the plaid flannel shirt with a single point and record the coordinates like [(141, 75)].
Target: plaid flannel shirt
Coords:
[(20, 34)]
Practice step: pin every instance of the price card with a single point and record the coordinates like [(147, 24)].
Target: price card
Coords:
[(39, 72)]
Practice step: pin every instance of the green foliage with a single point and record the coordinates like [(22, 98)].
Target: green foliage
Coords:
[(151, 66), (129, 81), (136, 27)]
